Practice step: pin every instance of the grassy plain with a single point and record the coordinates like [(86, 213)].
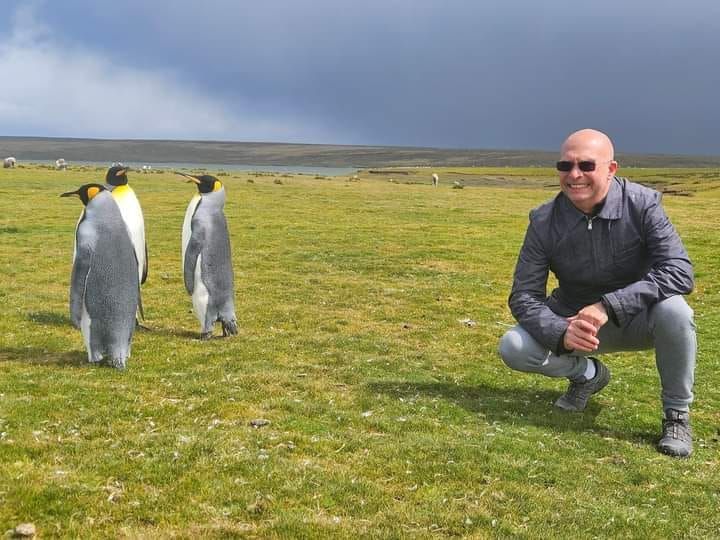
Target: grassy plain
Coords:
[(389, 416)]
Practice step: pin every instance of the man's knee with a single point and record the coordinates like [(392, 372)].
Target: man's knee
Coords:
[(673, 314), (513, 349)]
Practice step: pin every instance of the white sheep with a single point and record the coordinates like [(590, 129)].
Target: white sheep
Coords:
[(9, 162)]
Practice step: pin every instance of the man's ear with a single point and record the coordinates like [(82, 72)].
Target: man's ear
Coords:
[(613, 167)]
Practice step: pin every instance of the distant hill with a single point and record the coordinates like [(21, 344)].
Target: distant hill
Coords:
[(248, 153)]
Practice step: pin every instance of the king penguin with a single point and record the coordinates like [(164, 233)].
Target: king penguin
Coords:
[(104, 286), (117, 182), (207, 265)]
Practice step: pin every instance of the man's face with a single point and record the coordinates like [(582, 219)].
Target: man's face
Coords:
[(586, 188)]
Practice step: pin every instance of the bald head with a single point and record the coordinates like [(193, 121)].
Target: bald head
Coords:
[(589, 141), (586, 168)]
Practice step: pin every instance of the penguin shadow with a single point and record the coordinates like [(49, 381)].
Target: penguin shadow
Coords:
[(43, 357), (187, 334), (49, 318), (179, 333), (515, 405), (168, 332)]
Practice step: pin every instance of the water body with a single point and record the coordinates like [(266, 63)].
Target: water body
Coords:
[(217, 167)]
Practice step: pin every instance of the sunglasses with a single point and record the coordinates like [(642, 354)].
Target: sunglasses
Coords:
[(567, 166)]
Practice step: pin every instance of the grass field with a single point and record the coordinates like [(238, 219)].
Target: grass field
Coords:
[(389, 416)]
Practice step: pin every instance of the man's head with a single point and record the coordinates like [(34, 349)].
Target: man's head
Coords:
[(586, 168)]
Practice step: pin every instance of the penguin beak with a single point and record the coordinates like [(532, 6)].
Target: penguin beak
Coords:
[(190, 178), (121, 172), (70, 193)]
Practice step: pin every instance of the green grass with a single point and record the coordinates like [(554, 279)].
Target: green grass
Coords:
[(388, 416)]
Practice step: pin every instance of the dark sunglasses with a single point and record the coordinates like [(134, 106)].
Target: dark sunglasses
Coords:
[(567, 166)]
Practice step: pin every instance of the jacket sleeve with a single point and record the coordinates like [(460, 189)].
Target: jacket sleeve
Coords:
[(529, 294), (670, 270)]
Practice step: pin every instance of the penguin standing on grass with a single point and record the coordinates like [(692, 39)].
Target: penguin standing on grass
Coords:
[(104, 286), (117, 182), (207, 265)]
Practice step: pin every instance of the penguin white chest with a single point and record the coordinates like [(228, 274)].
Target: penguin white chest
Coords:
[(133, 217), (200, 296)]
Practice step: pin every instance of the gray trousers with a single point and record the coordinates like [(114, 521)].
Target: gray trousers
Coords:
[(667, 327)]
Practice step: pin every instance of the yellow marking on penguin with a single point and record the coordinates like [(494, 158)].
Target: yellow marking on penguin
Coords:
[(217, 185), (91, 192)]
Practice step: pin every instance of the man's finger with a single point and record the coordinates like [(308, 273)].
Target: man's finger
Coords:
[(585, 326)]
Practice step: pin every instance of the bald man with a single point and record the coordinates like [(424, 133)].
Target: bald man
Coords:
[(622, 272)]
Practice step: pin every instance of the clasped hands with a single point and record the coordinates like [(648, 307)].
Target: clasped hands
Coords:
[(581, 333)]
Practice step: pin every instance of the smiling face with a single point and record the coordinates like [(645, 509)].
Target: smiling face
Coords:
[(585, 189)]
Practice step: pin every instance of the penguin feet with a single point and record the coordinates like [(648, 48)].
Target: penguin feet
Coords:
[(117, 363), (106, 360), (206, 335), (229, 327)]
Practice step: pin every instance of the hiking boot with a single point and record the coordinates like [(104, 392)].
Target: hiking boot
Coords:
[(580, 390), (676, 439)]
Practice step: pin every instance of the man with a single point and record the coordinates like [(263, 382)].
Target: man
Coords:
[(622, 272)]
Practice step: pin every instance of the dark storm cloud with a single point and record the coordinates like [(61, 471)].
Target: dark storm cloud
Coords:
[(502, 74)]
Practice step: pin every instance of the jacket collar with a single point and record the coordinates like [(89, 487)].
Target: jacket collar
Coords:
[(612, 209)]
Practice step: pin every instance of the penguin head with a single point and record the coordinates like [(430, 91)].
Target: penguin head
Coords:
[(116, 175), (86, 192), (205, 182)]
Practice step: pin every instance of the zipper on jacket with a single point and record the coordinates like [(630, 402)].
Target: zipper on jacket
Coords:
[(590, 220)]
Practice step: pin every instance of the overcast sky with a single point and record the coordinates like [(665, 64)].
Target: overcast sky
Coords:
[(515, 74)]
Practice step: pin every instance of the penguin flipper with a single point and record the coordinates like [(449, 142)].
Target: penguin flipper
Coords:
[(140, 309), (192, 252), (145, 268), (78, 281)]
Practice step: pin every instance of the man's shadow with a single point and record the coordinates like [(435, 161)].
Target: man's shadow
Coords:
[(514, 405)]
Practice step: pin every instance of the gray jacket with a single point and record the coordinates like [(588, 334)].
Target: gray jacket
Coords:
[(628, 256)]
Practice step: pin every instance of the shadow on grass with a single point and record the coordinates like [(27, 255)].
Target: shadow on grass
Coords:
[(175, 332), (49, 318), (187, 334), (37, 356), (516, 405)]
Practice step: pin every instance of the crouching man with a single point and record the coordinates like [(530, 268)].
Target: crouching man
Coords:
[(622, 272)]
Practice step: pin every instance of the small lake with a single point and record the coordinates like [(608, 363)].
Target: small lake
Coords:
[(227, 167)]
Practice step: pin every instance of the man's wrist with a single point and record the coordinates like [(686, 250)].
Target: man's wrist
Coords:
[(561, 348), (609, 310)]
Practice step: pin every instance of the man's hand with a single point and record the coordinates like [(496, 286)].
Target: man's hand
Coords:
[(595, 314), (581, 334)]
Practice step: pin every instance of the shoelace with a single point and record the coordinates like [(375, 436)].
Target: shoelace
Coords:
[(578, 391), (676, 428)]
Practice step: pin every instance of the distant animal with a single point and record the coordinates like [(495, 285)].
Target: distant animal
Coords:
[(207, 263), (9, 162), (435, 179), (104, 288), (117, 182), (60, 164)]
